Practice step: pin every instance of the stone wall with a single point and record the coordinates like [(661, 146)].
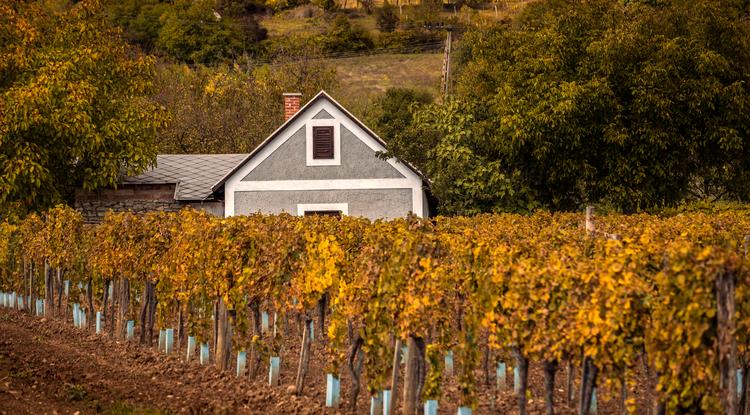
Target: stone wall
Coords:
[(137, 199)]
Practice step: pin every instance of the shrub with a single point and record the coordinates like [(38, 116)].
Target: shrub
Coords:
[(342, 36), (386, 18)]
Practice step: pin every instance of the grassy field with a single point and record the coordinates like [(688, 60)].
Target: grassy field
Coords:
[(363, 78), (310, 20)]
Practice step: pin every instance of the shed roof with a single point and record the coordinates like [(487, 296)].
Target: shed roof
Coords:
[(193, 174)]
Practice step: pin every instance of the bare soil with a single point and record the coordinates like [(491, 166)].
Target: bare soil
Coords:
[(48, 366)]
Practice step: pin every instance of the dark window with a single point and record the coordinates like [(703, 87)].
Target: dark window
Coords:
[(336, 213), (322, 143)]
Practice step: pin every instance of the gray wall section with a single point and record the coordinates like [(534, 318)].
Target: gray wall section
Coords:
[(288, 162), (323, 115), (369, 203)]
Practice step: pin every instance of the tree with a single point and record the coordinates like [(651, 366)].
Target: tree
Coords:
[(342, 36), (629, 104), (227, 109), (193, 32), (72, 104)]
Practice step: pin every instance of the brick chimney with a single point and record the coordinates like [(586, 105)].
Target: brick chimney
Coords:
[(292, 102)]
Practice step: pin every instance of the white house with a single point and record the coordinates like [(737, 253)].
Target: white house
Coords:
[(322, 160)]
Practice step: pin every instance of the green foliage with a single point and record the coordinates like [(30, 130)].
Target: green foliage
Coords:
[(72, 104), (445, 142), (194, 32), (343, 36), (632, 105), (386, 18), (228, 110)]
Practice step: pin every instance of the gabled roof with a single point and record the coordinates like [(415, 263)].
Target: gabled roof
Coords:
[(193, 174), (319, 96)]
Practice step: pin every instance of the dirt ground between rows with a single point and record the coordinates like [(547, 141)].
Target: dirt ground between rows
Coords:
[(48, 366)]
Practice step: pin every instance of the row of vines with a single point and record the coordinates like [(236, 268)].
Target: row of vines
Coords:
[(615, 297)]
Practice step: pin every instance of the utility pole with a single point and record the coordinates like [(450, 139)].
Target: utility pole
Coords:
[(446, 78), (447, 62)]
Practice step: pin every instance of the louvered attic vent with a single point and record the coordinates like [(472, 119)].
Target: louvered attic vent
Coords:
[(322, 143)]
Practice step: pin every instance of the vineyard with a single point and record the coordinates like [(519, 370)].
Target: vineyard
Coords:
[(615, 302)]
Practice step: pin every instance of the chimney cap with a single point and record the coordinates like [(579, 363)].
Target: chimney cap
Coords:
[(292, 94)]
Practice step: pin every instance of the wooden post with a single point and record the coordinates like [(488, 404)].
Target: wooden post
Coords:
[(725, 310), (304, 357), (393, 392), (590, 229), (411, 377)]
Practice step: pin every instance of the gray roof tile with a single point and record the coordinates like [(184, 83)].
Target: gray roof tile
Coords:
[(194, 174)]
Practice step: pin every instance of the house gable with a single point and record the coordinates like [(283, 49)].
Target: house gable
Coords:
[(290, 169), (288, 162)]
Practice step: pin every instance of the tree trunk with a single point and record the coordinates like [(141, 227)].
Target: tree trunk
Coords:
[(742, 404), (49, 297), (180, 325), (486, 365), (355, 355), (60, 311), (90, 295), (255, 357), (624, 396), (112, 311), (523, 369), (124, 305), (394, 374), (304, 358), (411, 377), (550, 367), (105, 298), (588, 382), (570, 390), (224, 336), (322, 315), (216, 327), (144, 311), (725, 309), (422, 368), (151, 313)]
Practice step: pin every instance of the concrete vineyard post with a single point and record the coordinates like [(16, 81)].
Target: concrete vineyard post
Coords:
[(169, 341), (593, 407), (190, 348), (162, 338), (449, 363), (376, 404), (404, 354), (82, 318), (204, 354), (332, 391), (264, 322), (501, 373), (130, 328), (273, 371), (430, 407), (75, 314), (463, 410), (241, 363), (387, 402), (98, 322), (311, 325), (66, 284), (516, 380)]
